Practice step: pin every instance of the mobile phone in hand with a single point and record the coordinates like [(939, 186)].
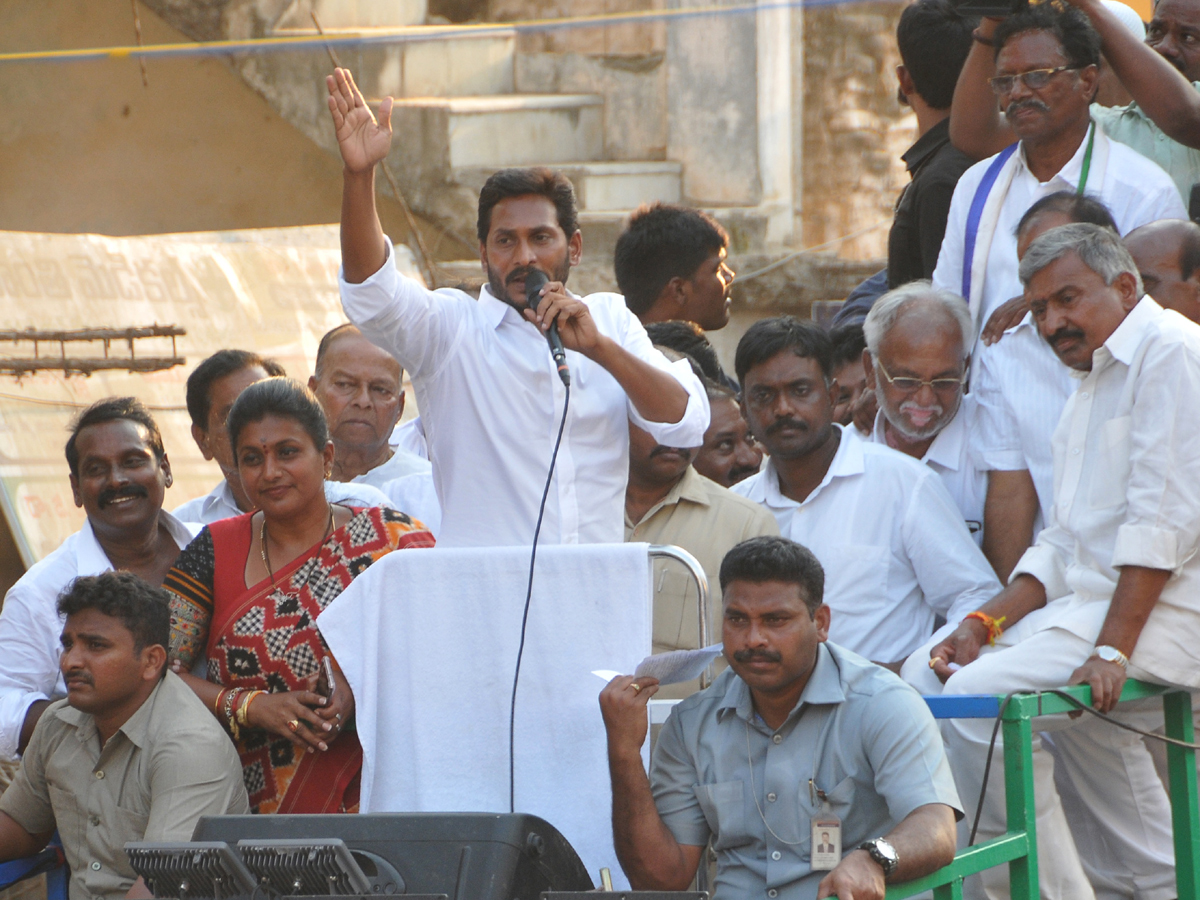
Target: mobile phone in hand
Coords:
[(326, 686)]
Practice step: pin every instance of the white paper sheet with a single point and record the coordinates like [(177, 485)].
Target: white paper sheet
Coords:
[(670, 668)]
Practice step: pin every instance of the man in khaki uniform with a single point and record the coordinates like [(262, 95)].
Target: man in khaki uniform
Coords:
[(669, 502), (131, 754)]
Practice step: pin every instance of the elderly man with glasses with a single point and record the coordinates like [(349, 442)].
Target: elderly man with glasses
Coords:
[(1045, 79), (918, 341)]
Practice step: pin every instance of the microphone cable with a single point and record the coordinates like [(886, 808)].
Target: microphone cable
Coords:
[(537, 530), (1080, 707)]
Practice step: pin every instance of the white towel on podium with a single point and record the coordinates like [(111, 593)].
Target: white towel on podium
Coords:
[(428, 641)]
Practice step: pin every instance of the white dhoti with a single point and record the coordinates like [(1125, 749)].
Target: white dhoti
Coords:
[(1111, 773)]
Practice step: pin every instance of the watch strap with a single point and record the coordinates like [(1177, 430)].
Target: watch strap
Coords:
[(1112, 654), (886, 862)]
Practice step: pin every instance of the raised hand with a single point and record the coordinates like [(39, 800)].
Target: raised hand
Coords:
[(362, 140)]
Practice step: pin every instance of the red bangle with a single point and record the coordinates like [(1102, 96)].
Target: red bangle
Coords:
[(992, 625)]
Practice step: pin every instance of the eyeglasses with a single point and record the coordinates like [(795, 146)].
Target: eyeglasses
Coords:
[(1035, 80), (912, 385)]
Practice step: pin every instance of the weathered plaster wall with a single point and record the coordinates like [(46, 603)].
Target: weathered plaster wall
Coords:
[(854, 128), (84, 147)]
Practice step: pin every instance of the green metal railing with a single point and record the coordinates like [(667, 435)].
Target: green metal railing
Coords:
[(1018, 846)]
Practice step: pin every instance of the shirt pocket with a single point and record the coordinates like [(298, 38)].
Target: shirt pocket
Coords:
[(1110, 475), (131, 822), (841, 798), (724, 807)]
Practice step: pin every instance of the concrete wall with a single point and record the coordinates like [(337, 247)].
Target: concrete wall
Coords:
[(84, 147), (729, 109)]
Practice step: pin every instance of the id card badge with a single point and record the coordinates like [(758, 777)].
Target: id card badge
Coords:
[(826, 840)]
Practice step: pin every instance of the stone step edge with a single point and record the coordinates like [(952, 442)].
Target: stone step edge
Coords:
[(602, 168)]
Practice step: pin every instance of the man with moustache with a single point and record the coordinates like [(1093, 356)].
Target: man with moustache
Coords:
[(730, 454), (1045, 78), (130, 754), (669, 502), (1021, 387), (119, 475), (916, 363), (1109, 588), (490, 396), (1163, 122), (895, 548), (211, 389), (797, 730)]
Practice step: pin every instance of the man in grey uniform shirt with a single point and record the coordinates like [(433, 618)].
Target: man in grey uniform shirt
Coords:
[(798, 739)]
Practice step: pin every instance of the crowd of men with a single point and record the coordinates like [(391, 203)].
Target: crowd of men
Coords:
[(983, 479)]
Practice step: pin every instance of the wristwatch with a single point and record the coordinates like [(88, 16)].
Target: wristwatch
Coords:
[(1112, 654), (883, 853)]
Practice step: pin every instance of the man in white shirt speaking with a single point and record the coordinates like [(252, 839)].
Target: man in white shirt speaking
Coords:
[(490, 396), (1110, 587), (895, 548)]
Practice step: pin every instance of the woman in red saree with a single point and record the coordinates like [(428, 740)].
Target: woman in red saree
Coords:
[(246, 593)]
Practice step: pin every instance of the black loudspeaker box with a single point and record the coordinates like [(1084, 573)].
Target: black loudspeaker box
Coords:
[(466, 856)]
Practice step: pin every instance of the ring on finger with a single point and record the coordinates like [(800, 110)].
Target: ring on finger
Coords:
[(637, 688), (293, 725), (933, 662)]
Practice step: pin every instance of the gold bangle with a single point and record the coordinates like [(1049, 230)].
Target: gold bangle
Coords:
[(243, 714)]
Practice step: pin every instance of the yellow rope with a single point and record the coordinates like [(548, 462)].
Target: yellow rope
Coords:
[(67, 404), (385, 35)]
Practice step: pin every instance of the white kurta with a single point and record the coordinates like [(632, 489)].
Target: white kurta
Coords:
[(1126, 492), (1135, 190), (491, 402), (952, 456)]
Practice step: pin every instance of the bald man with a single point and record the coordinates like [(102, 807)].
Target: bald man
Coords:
[(360, 387), (1167, 254)]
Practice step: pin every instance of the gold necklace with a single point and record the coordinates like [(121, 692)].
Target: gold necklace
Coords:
[(262, 541)]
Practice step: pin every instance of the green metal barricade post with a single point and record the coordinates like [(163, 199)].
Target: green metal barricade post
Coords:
[(1018, 846)]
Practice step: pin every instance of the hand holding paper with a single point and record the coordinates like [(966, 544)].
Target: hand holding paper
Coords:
[(673, 667)]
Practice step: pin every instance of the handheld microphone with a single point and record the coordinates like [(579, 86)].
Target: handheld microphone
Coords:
[(534, 282)]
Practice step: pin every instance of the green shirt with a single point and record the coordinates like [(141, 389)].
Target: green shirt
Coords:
[(1133, 128)]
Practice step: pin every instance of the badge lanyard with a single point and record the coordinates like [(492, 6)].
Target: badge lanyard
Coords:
[(825, 821)]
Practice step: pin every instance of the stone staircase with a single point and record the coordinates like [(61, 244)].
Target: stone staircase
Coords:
[(459, 116)]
